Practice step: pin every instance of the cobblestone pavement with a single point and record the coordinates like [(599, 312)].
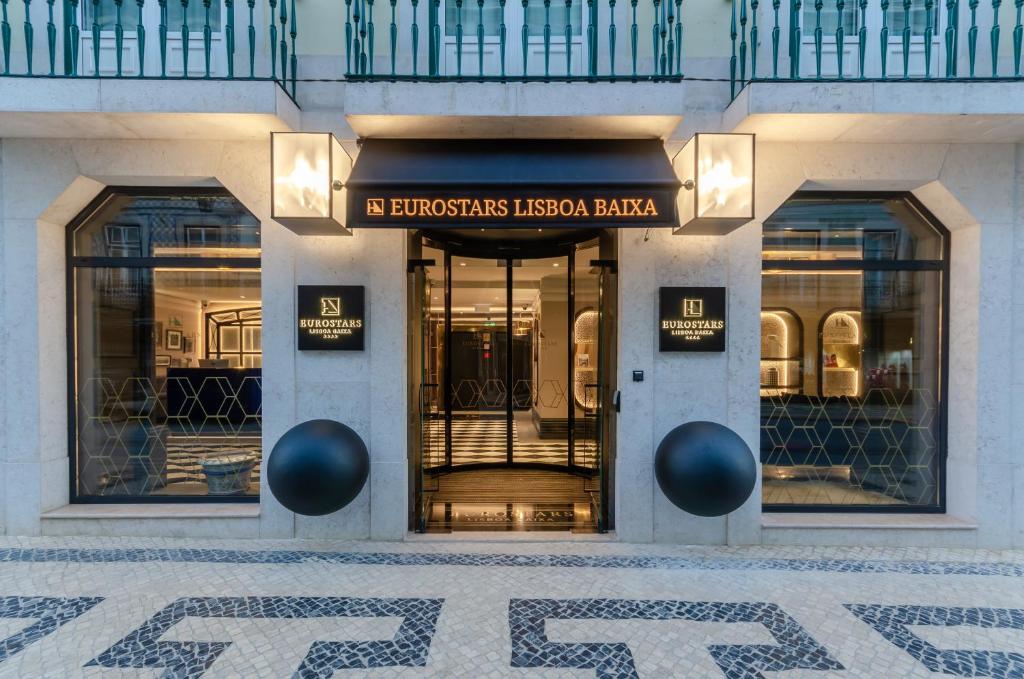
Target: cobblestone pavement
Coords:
[(168, 608)]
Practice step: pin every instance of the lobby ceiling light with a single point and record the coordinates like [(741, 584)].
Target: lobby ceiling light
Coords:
[(717, 172), (307, 191)]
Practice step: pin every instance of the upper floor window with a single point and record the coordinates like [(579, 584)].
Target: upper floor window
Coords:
[(105, 14), (852, 355), (166, 352), (896, 18)]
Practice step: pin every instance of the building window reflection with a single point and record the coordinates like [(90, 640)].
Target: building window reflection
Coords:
[(167, 355), (852, 352)]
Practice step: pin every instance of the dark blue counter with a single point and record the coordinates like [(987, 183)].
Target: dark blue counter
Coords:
[(209, 398)]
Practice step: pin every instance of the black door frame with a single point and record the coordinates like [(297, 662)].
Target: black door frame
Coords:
[(502, 253)]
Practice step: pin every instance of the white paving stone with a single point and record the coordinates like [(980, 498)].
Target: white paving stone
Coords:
[(472, 636)]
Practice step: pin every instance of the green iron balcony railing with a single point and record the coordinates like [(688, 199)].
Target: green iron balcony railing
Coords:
[(114, 38), (518, 40), (523, 40), (879, 40)]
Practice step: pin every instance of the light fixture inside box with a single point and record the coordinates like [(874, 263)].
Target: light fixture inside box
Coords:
[(717, 172), (309, 170)]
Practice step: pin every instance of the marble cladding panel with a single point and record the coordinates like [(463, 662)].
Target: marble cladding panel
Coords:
[(388, 332), (388, 507), (685, 386), (1017, 380), (743, 370), (350, 522), (52, 344), (5, 349), (44, 169), (634, 477), (981, 176), (674, 526), (277, 282), (995, 343), (365, 390), (874, 166), (995, 503), (965, 282), (19, 274)]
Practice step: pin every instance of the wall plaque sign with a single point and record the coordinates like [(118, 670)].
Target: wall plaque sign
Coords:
[(691, 319), (331, 317)]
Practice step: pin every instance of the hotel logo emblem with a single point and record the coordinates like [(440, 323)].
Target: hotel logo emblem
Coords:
[(330, 306), (693, 308), (374, 207)]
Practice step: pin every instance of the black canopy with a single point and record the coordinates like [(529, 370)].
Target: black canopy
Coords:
[(511, 182)]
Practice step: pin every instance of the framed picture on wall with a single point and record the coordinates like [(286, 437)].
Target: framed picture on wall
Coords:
[(189, 345), (158, 332), (173, 342), (163, 360)]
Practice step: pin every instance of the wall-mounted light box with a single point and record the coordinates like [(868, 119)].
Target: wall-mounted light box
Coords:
[(717, 172), (307, 192)]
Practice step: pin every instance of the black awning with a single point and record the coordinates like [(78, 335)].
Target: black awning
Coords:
[(511, 182)]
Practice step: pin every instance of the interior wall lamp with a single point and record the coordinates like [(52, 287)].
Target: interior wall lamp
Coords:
[(307, 190), (717, 173)]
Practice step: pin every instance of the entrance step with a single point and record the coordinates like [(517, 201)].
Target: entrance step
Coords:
[(511, 500), (512, 485)]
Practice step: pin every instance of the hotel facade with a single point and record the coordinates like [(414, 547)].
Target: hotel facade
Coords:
[(513, 246)]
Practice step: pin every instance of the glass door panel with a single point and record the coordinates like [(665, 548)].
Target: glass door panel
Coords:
[(541, 326), (586, 358), (512, 401), (433, 350), (477, 361), (590, 366)]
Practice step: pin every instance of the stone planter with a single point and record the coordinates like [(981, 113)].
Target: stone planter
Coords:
[(228, 474)]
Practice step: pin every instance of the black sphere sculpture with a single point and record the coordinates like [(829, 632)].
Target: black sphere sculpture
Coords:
[(318, 467), (705, 468)]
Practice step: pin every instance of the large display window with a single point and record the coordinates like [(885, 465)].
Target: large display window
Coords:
[(165, 323), (853, 341)]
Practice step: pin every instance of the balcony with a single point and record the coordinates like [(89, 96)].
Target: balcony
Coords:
[(523, 41), (159, 39), (873, 40)]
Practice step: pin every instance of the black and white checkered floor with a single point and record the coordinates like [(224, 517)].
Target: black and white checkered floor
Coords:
[(483, 440), (474, 441)]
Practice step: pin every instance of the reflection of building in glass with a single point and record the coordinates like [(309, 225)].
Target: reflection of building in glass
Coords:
[(850, 354), (169, 348)]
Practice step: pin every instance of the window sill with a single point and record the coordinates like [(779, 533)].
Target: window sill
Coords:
[(156, 511), (867, 521)]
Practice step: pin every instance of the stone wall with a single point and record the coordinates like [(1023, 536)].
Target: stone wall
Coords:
[(975, 190), (50, 182)]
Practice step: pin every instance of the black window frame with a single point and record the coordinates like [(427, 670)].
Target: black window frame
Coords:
[(73, 264), (942, 399)]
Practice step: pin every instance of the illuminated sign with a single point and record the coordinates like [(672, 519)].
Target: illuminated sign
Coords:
[(589, 207), (691, 319), (331, 317), (516, 208)]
